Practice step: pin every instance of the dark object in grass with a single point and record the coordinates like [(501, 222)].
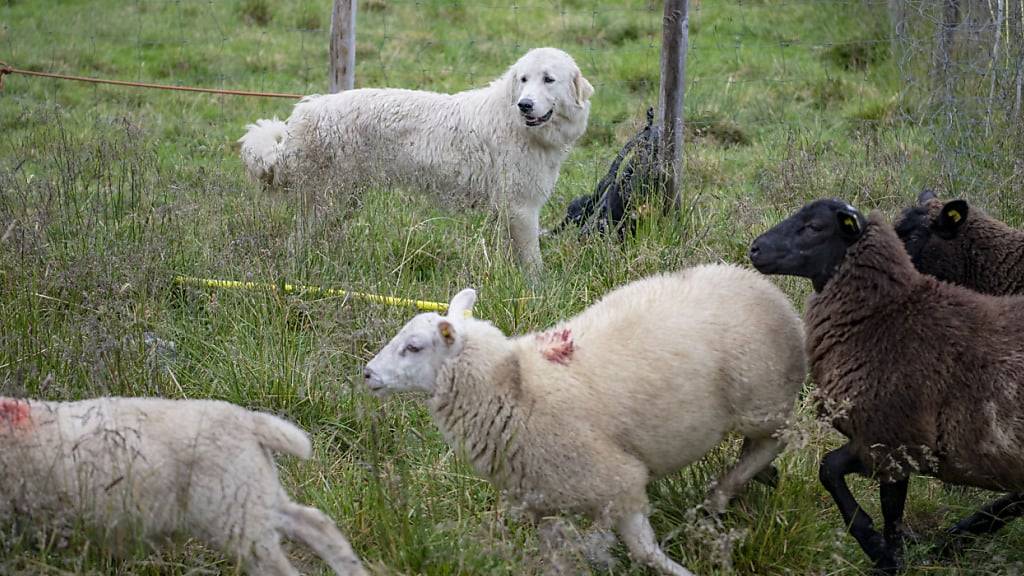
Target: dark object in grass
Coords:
[(608, 208), (963, 245), (858, 55), (922, 377)]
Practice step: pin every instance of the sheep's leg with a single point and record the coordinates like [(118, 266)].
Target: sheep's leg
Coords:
[(635, 530), (267, 558), (832, 474), (314, 529), (893, 496), (769, 476), (755, 457), (557, 539), (992, 517)]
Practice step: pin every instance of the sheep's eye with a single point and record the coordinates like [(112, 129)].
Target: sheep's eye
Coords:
[(412, 348), (524, 79), (548, 79)]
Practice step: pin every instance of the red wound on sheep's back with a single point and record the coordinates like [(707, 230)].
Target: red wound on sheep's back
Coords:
[(14, 413), (556, 346)]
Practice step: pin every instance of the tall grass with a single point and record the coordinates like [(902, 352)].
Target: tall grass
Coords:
[(106, 194)]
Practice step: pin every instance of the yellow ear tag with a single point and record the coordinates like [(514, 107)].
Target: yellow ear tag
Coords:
[(446, 331), (849, 222), (954, 215)]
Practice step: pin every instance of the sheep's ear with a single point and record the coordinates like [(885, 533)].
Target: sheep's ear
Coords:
[(584, 90), (951, 218), (926, 195), (849, 224), (462, 304), (447, 332)]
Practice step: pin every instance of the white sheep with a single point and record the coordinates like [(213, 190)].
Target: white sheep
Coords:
[(146, 468), (582, 416)]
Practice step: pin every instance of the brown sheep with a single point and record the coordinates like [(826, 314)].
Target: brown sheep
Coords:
[(962, 245), (921, 376)]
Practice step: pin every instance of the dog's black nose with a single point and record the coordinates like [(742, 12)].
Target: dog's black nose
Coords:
[(526, 105)]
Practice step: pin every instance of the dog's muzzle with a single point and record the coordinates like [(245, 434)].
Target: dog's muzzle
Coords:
[(526, 109), (532, 120)]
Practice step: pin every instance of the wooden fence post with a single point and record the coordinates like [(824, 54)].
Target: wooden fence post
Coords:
[(674, 43), (342, 75)]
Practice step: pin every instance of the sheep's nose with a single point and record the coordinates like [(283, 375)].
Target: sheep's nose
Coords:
[(367, 373), (526, 105), (755, 250)]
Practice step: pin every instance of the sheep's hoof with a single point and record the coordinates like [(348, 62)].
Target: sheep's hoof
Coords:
[(889, 563), (901, 535), (715, 505), (951, 543), (769, 476)]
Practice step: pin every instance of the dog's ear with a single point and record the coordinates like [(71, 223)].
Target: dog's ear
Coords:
[(583, 88), (512, 85)]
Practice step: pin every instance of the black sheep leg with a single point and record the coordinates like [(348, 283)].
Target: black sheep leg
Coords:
[(893, 496), (832, 473), (992, 517)]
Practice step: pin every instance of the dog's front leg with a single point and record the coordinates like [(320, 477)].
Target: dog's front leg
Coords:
[(524, 227)]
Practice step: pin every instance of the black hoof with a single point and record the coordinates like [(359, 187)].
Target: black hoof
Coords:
[(950, 544), (888, 564), (901, 536)]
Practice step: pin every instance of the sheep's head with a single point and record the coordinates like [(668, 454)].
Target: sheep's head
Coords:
[(811, 243), (412, 359), (933, 234)]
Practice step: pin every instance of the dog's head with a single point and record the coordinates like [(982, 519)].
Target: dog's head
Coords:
[(547, 85)]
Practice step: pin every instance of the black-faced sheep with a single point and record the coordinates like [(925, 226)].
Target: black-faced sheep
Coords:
[(921, 376), (146, 468), (582, 416), (962, 245)]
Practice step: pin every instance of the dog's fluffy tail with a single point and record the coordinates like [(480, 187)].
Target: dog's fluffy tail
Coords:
[(280, 435), (262, 147)]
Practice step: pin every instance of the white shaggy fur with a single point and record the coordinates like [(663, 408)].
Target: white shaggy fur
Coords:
[(581, 417), (148, 468), (500, 146)]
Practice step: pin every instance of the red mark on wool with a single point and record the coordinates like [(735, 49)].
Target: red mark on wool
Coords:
[(556, 346), (14, 413)]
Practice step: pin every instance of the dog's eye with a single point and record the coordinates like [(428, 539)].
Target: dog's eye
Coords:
[(524, 79), (548, 79)]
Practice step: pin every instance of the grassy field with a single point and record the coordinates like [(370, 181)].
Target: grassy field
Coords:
[(107, 193)]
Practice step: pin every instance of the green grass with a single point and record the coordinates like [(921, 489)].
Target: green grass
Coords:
[(107, 193)]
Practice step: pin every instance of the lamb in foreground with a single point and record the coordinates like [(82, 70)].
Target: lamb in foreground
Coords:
[(146, 468), (582, 416), (962, 245), (921, 376)]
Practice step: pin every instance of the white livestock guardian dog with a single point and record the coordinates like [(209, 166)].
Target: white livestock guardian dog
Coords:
[(499, 146)]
